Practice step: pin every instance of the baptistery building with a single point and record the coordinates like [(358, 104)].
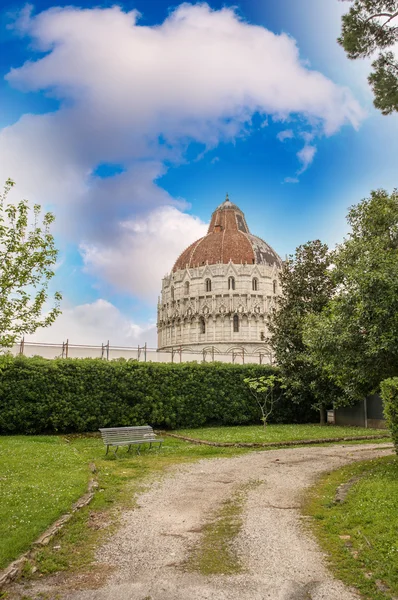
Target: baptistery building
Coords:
[(222, 287)]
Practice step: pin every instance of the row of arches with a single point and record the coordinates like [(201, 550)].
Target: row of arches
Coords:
[(202, 324), (231, 286)]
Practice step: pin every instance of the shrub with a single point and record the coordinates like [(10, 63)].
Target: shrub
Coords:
[(75, 395), (389, 393)]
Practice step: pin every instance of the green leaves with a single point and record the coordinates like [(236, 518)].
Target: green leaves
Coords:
[(372, 25), (27, 257), (307, 285), (384, 83), (355, 338), (78, 395), (263, 390), (389, 393)]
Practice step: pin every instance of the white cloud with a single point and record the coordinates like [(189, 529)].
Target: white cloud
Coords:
[(190, 73), (144, 251), (291, 180), (287, 134), (306, 156), (95, 324), (136, 96)]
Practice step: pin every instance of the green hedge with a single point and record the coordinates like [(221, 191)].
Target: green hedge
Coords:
[(76, 395), (389, 393)]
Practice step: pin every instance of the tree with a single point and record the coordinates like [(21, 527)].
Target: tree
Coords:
[(27, 255), (306, 289), (263, 390), (369, 26), (355, 339)]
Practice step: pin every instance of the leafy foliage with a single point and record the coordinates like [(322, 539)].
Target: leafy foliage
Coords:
[(389, 393), (27, 256), (306, 289), (263, 390), (67, 395), (355, 339), (372, 25)]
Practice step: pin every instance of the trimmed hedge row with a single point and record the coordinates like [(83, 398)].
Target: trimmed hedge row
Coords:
[(77, 395), (389, 393)]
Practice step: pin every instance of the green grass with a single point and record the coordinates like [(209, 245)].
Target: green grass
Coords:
[(39, 480), (41, 477), (215, 554), (368, 558), (274, 433)]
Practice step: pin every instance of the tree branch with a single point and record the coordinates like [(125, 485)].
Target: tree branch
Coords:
[(390, 16)]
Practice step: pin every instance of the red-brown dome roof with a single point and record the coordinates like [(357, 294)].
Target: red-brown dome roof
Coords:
[(228, 239)]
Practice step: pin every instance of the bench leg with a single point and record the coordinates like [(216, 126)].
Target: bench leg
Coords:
[(160, 446), (138, 448), (129, 448), (150, 445), (107, 450), (115, 451)]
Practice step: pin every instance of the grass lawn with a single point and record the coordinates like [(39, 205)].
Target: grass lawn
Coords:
[(41, 477), (360, 534), (274, 433)]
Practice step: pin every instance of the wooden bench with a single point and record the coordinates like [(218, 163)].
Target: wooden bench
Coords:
[(129, 436)]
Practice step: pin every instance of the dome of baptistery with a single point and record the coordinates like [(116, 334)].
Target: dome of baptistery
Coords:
[(217, 297), (228, 239)]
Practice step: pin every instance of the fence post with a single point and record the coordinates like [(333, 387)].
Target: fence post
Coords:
[(22, 346)]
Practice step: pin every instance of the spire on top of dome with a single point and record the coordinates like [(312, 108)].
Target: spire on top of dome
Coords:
[(227, 204)]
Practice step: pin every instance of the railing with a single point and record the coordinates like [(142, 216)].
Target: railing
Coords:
[(143, 353)]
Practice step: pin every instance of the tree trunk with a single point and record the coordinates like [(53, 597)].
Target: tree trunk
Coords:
[(322, 416)]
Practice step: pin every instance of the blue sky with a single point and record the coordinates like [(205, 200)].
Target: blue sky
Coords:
[(132, 128)]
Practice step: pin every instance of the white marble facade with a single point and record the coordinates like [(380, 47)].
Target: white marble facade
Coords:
[(220, 308)]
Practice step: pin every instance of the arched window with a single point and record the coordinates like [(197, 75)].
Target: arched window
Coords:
[(236, 323), (172, 292), (187, 287), (231, 283), (274, 287), (202, 325), (255, 284), (208, 285)]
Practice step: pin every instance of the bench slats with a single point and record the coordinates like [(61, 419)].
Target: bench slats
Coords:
[(127, 436)]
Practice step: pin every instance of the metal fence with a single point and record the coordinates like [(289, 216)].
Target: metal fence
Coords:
[(144, 353)]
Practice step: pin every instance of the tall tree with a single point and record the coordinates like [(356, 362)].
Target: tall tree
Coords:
[(371, 26), (355, 339), (27, 257), (306, 289)]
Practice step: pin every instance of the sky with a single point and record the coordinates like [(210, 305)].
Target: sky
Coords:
[(132, 120)]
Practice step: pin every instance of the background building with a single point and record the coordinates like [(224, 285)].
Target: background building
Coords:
[(218, 295)]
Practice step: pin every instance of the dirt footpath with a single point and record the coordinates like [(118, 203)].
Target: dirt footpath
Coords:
[(282, 561)]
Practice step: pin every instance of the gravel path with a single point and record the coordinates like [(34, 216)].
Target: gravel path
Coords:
[(282, 560)]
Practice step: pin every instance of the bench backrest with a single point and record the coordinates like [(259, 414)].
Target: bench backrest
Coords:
[(127, 434)]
